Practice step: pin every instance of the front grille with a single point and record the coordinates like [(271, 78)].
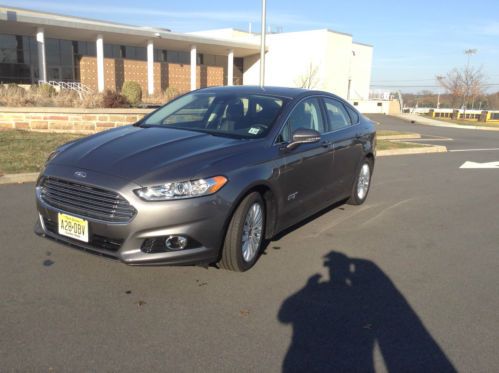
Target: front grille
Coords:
[(86, 201), (97, 241)]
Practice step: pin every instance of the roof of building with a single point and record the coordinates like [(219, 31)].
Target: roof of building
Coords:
[(25, 22)]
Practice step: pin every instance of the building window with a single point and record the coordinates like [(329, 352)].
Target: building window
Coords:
[(112, 51), (18, 59), (179, 57), (84, 48), (160, 55), (239, 63)]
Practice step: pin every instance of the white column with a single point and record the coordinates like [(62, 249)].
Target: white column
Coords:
[(42, 62), (230, 67), (262, 43), (100, 63), (193, 67), (150, 67)]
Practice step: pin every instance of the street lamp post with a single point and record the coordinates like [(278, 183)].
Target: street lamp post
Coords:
[(469, 53), (262, 44)]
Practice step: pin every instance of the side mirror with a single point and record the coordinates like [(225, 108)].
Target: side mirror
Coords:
[(303, 136)]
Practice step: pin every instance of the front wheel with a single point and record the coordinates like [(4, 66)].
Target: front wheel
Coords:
[(362, 183), (244, 236)]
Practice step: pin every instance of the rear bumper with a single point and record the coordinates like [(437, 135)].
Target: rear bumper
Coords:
[(202, 220)]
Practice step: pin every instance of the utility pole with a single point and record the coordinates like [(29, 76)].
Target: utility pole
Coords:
[(262, 43), (440, 79), (469, 53)]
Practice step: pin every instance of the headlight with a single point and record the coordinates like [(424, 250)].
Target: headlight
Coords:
[(183, 189)]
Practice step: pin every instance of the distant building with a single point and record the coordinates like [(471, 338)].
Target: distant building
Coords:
[(39, 46), (319, 59)]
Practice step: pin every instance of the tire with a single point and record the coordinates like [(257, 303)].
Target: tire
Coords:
[(234, 256), (359, 195)]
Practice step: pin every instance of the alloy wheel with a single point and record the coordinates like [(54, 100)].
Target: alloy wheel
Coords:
[(252, 232), (363, 181)]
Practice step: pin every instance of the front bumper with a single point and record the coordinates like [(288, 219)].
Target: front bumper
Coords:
[(200, 219)]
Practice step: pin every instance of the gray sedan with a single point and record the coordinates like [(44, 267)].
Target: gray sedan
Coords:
[(207, 178)]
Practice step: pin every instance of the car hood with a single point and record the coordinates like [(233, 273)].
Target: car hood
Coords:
[(149, 155)]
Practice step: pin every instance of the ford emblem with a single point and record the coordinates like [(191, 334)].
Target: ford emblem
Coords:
[(81, 174)]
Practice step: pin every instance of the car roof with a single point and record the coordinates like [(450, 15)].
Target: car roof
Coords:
[(274, 91)]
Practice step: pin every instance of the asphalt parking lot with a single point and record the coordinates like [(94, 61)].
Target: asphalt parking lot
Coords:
[(406, 282)]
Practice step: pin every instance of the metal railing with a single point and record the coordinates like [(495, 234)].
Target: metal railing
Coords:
[(381, 95), (71, 86)]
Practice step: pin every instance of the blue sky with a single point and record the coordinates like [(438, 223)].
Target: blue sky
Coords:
[(412, 42)]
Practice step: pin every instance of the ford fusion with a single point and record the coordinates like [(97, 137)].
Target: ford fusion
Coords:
[(207, 178)]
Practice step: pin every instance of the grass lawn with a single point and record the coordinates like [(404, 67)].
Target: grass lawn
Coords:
[(388, 145), (24, 151), (468, 122)]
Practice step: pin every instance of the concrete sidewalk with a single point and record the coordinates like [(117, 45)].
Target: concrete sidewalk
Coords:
[(419, 119), (18, 178)]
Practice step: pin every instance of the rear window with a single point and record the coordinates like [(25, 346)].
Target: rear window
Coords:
[(353, 114)]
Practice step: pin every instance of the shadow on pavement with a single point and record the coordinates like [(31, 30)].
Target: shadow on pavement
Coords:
[(337, 323)]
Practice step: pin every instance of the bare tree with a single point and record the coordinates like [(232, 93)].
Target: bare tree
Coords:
[(309, 79), (463, 84), (452, 84)]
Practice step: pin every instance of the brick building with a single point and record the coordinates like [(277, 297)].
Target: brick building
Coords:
[(39, 46)]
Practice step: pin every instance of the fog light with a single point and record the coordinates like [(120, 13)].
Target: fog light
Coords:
[(176, 242)]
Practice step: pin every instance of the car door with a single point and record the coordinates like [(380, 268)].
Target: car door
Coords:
[(345, 144), (305, 170)]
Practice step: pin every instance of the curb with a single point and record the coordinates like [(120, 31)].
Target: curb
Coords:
[(417, 119), (405, 136), (19, 178), (421, 150)]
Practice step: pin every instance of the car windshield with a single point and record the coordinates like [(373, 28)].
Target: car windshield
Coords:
[(226, 114)]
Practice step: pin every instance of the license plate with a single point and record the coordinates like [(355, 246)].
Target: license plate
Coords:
[(73, 227)]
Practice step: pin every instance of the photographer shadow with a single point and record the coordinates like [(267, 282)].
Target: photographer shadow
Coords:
[(337, 323)]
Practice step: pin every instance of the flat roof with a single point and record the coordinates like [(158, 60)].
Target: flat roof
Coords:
[(25, 22)]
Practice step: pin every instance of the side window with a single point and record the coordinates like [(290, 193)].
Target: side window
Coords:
[(336, 114), (353, 114), (307, 114)]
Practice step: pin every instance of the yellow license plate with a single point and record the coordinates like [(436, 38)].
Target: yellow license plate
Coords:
[(73, 227)]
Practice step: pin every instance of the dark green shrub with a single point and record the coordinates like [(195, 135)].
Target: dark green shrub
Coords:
[(132, 91)]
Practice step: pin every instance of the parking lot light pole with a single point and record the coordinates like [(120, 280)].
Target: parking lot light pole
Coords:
[(262, 44)]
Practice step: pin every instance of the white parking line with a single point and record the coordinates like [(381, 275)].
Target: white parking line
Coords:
[(423, 139), (472, 150), (469, 164)]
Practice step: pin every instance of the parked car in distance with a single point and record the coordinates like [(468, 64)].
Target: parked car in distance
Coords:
[(208, 177)]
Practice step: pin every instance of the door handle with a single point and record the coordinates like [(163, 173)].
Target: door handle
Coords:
[(325, 144)]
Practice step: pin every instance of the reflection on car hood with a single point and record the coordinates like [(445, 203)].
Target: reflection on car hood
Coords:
[(145, 155)]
